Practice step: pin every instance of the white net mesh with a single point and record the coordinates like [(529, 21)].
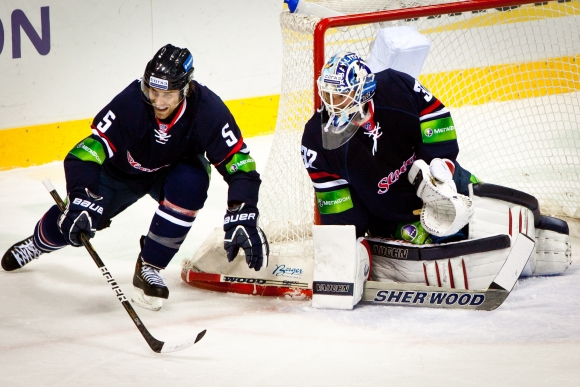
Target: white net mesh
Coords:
[(509, 75)]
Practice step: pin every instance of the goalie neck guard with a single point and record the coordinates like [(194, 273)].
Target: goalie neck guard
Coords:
[(345, 86)]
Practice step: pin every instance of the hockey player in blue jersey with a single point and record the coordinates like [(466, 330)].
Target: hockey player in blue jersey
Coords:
[(359, 147), (157, 137)]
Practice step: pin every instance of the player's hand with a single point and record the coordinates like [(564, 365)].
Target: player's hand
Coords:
[(242, 231), (81, 215)]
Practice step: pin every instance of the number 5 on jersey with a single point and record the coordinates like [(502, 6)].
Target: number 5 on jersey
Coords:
[(229, 136), (107, 121)]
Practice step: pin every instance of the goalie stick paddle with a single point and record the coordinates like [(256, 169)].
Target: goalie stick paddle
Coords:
[(156, 345)]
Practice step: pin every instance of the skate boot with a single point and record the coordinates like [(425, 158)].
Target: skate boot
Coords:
[(150, 290), (20, 254)]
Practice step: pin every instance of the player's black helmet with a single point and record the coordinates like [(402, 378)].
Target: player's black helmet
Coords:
[(170, 69)]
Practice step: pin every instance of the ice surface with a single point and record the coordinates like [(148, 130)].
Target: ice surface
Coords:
[(61, 325)]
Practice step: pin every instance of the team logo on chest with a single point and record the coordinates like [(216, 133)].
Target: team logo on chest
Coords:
[(371, 129), (161, 134)]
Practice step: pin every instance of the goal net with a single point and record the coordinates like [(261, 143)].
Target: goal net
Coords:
[(507, 70)]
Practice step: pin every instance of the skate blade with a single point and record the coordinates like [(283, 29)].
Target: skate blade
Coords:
[(144, 301)]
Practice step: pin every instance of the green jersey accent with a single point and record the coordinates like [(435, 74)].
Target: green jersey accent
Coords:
[(241, 162), (334, 202), (90, 150), (439, 130), (474, 179)]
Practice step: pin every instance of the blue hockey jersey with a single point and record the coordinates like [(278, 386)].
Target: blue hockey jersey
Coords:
[(364, 182)]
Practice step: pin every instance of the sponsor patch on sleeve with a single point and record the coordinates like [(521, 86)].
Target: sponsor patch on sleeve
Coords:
[(334, 202), (439, 130), (89, 150), (241, 162)]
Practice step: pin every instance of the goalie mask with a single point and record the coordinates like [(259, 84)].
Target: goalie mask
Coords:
[(170, 69), (345, 86)]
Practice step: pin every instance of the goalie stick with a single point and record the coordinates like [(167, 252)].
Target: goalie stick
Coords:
[(396, 293), (156, 345)]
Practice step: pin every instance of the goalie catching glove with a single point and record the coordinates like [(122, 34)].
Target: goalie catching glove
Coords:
[(242, 231), (81, 215), (444, 211)]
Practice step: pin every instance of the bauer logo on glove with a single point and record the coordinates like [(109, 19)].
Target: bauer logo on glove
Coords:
[(238, 217), (242, 231), (89, 205), (75, 219)]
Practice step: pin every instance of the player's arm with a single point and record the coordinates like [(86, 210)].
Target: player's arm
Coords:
[(336, 201), (82, 167), (437, 129), (229, 154)]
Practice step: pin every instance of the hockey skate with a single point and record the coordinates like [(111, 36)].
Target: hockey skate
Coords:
[(20, 254), (150, 290)]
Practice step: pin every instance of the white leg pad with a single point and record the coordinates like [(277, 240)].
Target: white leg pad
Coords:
[(340, 267), (471, 271), (494, 216), (553, 252)]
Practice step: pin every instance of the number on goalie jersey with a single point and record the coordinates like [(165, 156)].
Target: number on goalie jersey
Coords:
[(155, 137), (384, 122)]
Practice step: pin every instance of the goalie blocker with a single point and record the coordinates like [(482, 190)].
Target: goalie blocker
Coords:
[(501, 216)]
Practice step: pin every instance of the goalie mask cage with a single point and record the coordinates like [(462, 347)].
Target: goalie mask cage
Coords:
[(507, 70)]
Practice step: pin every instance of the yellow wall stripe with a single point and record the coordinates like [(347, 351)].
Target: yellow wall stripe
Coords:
[(40, 144), (506, 82), (34, 145)]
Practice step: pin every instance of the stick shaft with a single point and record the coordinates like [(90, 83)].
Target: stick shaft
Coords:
[(155, 344)]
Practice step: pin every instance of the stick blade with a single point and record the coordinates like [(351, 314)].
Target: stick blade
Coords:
[(174, 346)]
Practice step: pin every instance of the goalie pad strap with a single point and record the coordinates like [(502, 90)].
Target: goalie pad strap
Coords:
[(398, 250), (492, 191), (553, 224)]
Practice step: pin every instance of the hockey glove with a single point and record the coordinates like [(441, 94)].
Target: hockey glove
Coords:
[(81, 215), (444, 212), (242, 231)]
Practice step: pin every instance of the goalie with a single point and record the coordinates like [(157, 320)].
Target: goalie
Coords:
[(381, 147)]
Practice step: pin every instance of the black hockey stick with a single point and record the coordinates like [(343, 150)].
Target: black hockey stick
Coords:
[(156, 345)]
